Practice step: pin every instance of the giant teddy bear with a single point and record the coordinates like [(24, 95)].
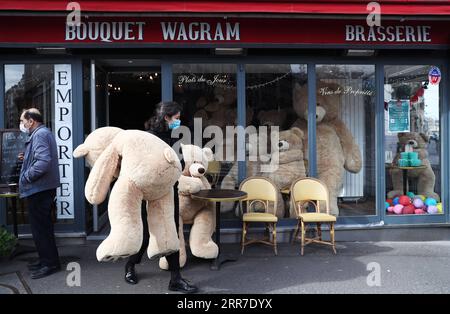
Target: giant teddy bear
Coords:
[(201, 214), (425, 176), (287, 154), (221, 110), (336, 148), (148, 170)]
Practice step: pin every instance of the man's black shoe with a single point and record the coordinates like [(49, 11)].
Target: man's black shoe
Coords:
[(34, 265), (44, 271), (130, 274), (182, 285)]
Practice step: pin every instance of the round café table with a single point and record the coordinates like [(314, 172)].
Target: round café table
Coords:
[(218, 196)]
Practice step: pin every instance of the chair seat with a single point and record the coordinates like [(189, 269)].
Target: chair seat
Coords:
[(259, 217), (317, 217)]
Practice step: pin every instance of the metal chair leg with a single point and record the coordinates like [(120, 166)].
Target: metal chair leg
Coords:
[(274, 234), (303, 237), (332, 237), (244, 232), (319, 231)]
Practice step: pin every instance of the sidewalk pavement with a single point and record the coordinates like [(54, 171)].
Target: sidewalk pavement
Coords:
[(404, 267)]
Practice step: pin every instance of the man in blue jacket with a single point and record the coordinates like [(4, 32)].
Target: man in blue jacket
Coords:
[(39, 178)]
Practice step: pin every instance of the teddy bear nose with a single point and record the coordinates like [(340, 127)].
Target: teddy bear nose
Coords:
[(280, 144), (411, 142), (201, 170)]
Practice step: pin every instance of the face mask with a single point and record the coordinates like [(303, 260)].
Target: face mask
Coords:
[(174, 124), (24, 129)]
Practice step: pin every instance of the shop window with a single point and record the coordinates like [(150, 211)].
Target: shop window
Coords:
[(273, 148), (208, 94), (38, 85), (412, 140), (345, 117)]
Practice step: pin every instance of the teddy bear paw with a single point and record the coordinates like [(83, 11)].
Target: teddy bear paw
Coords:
[(110, 250), (208, 250)]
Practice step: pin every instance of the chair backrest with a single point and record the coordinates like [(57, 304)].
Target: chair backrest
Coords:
[(213, 172), (307, 190), (260, 189)]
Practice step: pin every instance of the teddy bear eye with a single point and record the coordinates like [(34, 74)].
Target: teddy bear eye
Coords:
[(283, 145)]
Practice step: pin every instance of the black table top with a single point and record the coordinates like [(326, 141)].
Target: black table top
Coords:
[(220, 195)]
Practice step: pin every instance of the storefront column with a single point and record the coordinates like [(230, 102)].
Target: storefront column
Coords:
[(240, 79), (166, 81), (312, 162), (445, 138), (3, 214), (380, 184)]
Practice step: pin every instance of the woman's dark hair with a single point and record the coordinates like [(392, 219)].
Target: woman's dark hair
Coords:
[(164, 108)]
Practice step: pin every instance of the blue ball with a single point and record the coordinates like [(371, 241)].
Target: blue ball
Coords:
[(386, 205), (430, 202), (395, 201)]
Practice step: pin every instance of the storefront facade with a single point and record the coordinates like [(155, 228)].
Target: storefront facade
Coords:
[(387, 84)]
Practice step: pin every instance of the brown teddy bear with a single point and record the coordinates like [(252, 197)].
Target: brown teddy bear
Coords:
[(425, 176), (201, 214), (148, 170), (337, 150), (222, 110), (288, 161)]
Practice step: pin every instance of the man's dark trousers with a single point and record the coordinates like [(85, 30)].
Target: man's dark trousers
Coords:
[(40, 213)]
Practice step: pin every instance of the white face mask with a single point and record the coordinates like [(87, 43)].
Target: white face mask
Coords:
[(24, 129)]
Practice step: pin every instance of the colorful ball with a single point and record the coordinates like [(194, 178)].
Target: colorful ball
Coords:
[(432, 209), (409, 209), (439, 207), (410, 194), (404, 200), (419, 211), (430, 202), (418, 203), (390, 209), (389, 200), (395, 201), (398, 209), (421, 196)]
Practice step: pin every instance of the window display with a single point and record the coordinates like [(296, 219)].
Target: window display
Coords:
[(412, 140), (345, 117)]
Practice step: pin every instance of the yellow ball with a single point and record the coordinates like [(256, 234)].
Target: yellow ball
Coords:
[(439, 207)]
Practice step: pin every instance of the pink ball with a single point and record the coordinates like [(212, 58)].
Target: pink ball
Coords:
[(404, 200), (419, 211), (391, 209), (418, 203), (398, 209), (408, 210), (432, 209)]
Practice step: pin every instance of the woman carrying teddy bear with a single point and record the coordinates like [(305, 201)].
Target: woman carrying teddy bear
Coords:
[(165, 119)]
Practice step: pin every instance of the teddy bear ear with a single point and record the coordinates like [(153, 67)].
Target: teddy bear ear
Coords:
[(425, 137), (298, 132), (208, 154), (170, 155), (80, 151)]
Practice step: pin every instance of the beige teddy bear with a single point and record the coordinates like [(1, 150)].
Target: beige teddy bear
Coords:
[(337, 150), (148, 170), (222, 110), (425, 176), (287, 163), (201, 214)]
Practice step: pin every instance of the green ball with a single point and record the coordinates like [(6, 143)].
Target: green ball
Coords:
[(410, 194)]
